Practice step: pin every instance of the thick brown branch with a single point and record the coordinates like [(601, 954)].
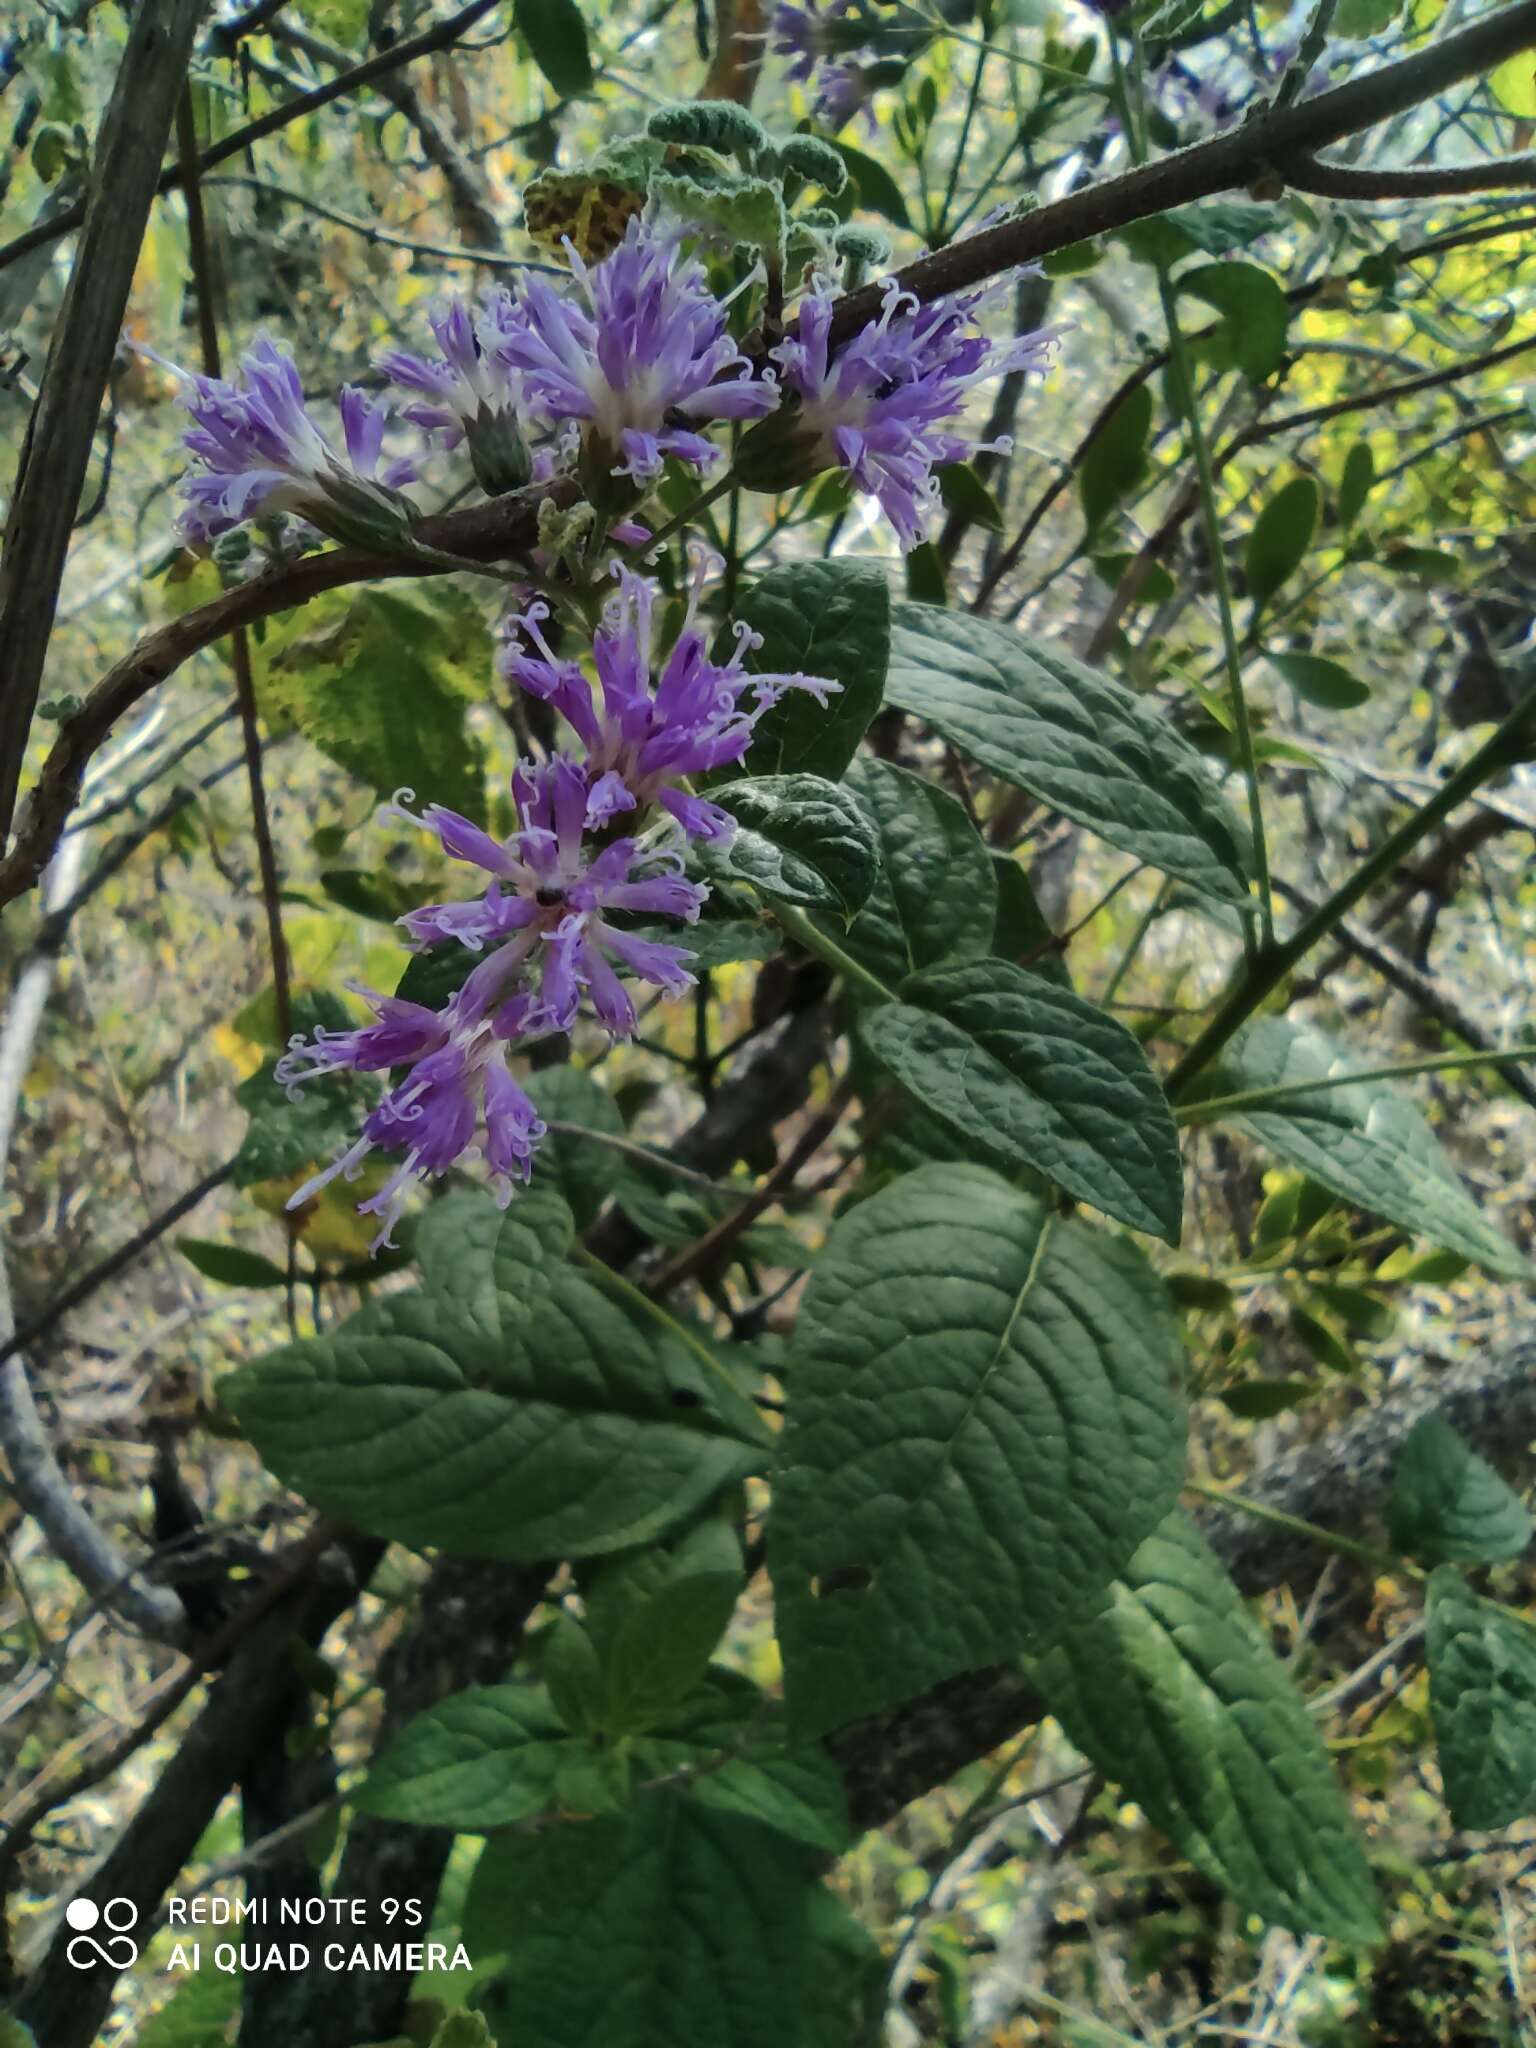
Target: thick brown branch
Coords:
[(482, 533), (1344, 181), (57, 448)]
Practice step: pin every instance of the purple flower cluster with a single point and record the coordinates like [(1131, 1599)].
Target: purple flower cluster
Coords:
[(878, 408), (259, 451), (545, 922), (636, 364), (819, 43), (616, 373)]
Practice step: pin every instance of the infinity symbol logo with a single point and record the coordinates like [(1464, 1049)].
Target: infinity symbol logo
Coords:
[(118, 1952)]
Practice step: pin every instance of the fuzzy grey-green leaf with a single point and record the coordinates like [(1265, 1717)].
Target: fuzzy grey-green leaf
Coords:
[(984, 1421), (1072, 738), (1172, 1691)]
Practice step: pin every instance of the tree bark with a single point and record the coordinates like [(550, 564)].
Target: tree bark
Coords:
[(57, 449)]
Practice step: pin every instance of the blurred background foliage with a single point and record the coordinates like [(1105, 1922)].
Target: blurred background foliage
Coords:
[(1383, 554)]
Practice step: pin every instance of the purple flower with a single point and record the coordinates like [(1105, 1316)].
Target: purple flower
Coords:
[(638, 367), (842, 91), (699, 715), (457, 1100), (879, 409), (468, 393), (545, 914), (260, 451), (544, 925)]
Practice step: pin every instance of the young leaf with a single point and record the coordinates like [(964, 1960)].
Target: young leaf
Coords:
[(1032, 1075), (486, 1758), (1172, 1691), (1482, 1700), (1355, 483), (803, 840), (1073, 739), (230, 1265), (877, 190), (1116, 456), (1321, 681), (1366, 1142), (934, 896), (829, 619), (509, 1407), (1281, 535), (557, 42), (983, 1423), (1447, 1505), (1021, 933), (669, 1926), (963, 491), (1254, 315)]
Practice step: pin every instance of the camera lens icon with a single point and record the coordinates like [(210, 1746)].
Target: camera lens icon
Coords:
[(117, 1951)]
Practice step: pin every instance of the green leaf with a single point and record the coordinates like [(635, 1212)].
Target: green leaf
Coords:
[(927, 574), (557, 42), (829, 619), (1116, 457), (1359, 474), (963, 491), (802, 840), (1032, 1075), (718, 941), (383, 689), (663, 1646), (573, 1671), (464, 2030), (671, 1926), (1281, 535), (1172, 1691), (1073, 739), (1366, 1142), (1261, 1400), (487, 1758), (1254, 315), (1321, 681), (230, 1264), (579, 1169), (201, 2013), (1482, 1700), (934, 896), (285, 1137), (1514, 84), (878, 192), (1021, 933), (983, 1423), (1447, 1505), (1365, 17), (510, 1407)]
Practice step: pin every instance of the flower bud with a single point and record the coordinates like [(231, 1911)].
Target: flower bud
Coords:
[(497, 451)]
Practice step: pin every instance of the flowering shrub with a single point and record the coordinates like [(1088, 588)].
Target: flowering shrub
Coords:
[(765, 1191)]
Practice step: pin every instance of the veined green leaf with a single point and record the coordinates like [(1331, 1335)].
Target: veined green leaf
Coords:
[(1073, 739), (1172, 1691), (983, 1423)]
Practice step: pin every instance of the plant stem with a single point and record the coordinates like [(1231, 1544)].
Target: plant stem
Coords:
[(1326, 1539), (1252, 1098), (814, 940), (1270, 967)]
